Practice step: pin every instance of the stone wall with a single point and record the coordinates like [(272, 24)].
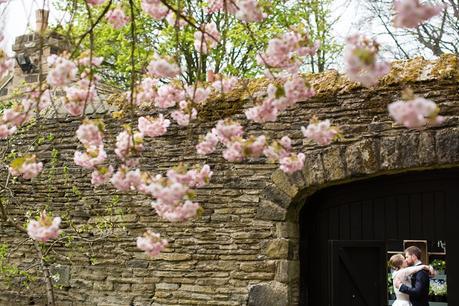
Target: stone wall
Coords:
[(244, 248)]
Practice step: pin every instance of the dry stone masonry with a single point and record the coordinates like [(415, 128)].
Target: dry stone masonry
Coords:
[(244, 248)]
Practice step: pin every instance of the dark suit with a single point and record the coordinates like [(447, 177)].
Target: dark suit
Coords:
[(419, 291)]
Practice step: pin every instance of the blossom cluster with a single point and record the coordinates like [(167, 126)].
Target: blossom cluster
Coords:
[(206, 38), (90, 134), (280, 98), (153, 127), (415, 112), (221, 83), (44, 228), (322, 132), (26, 167), (230, 134), (163, 68), (151, 243), (78, 79), (411, 13), (21, 113), (117, 18), (361, 59), (244, 10), (287, 52), (155, 8)]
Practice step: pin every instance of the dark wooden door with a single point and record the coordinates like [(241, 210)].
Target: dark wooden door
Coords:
[(358, 273), (415, 206)]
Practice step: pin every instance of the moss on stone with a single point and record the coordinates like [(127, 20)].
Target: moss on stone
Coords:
[(446, 67), (327, 83)]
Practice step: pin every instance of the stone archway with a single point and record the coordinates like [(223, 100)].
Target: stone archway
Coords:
[(395, 152)]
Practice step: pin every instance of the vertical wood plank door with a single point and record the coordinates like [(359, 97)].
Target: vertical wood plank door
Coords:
[(421, 205), (358, 273)]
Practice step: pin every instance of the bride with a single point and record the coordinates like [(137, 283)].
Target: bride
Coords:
[(402, 272)]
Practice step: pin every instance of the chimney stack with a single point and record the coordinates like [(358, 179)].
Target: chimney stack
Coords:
[(41, 17)]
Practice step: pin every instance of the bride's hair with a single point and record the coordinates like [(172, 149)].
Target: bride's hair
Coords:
[(396, 261)]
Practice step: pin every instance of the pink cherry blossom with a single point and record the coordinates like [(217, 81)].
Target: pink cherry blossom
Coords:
[(206, 38), (6, 130), (62, 71), (411, 13), (155, 9), (361, 58), (26, 167), (168, 192), (6, 64), (254, 146), (128, 144), (201, 177), (19, 114), (286, 52), (320, 131), (234, 151), (153, 127), (85, 60), (227, 129), (278, 149), (163, 68), (249, 11), (197, 94), (310, 49), (415, 113), (265, 112), (125, 179), (151, 243), (45, 228), (218, 5), (292, 163), (81, 94), (176, 213), (117, 18), (296, 89), (95, 2), (208, 144), (101, 175), (196, 177), (168, 96), (225, 85), (90, 133), (183, 118), (146, 92), (94, 156)]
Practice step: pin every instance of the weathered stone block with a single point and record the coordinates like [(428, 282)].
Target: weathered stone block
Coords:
[(333, 163), (361, 158), (284, 183), (448, 145), (277, 248), (313, 170), (287, 270), (277, 196), (268, 210), (269, 294)]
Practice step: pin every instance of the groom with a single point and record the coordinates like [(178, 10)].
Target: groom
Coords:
[(419, 291)]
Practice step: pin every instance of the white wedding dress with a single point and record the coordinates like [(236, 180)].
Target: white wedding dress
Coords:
[(403, 299)]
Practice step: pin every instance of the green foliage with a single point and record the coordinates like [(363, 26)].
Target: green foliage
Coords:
[(235, 54), (11, 273)]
